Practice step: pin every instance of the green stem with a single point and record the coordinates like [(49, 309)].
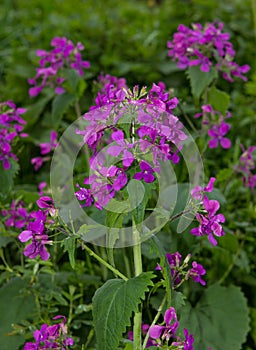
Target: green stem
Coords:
[(187, 118), (102, 261), (138, 270), (154, 321)]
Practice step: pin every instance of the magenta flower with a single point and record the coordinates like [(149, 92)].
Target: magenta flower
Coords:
[(198, 191), (209, 223), (51, 337), (36, 234), (64, 55), (187, 343), (45, 148), (179, 271), (206, 47), (17, 215), (122, 148), (11, 127), (48, 147), (169, 330), (153, 129), (146, 172), (217, 134), (196, 272)]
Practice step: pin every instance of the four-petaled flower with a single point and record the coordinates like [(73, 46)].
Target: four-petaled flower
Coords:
[(209, 222), (146, 173)]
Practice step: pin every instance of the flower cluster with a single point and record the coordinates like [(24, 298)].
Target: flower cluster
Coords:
[(141, 131), (209, 221), (218, 128), (110, 88), (45, 148), (64, 55), (179, 271), (36, 230), (206, 47), (11, 126), (166, 333), (17, 215), (51, 337)]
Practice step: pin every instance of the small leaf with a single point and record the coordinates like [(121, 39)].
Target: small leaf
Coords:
[(69, 245), (219, 99), (220, 317), (200, 80), (113, 305)]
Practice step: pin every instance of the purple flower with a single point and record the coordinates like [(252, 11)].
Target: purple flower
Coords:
[(209, 223), (217, 134), (205, 47), (146, 174), (64, 55), (48, 147), (168, 331), (11, 127), (122, 147), (187, 343), (35, 233), (45, 148), (17, 215), (198, 191), (51, 337), (196, 272)]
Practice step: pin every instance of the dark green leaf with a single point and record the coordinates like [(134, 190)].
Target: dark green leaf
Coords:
[(220, 317), (15, 306), (113, 305), (200, 80), (7, 177)]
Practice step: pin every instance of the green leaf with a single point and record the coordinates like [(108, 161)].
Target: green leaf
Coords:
[(33, 111), (219, 99), (7, 177), (220, 317), (113, 305), (69, 245), (15, 306), (200, 80), (59, 106)]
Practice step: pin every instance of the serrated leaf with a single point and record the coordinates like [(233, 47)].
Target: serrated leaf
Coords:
[(113, 305), (200, 80), (69, 245), (219, 99), (220, 317), (59, 106)]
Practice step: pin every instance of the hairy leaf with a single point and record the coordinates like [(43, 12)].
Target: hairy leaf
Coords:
[(113, 305)]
